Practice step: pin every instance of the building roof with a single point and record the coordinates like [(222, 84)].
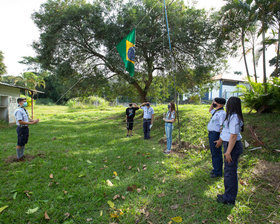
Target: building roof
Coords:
[(229, 77), (19, 87)]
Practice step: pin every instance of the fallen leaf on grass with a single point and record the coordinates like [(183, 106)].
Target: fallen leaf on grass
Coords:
[(129, 167), (142, 211), (169, 222), (123, 197), (89, 219), (65, 192), (177, 219), (111, 204), (144, 167), (114, 215), (138, 169), (115, 173), (174, 207), (3, 208), (101, 213), (161, 195), (147, 214), (134, 186), (230, 218), (67, 215), (15, 195), (27, 193), (54, 138), (243, 183), (81, 175), (116, 196), (51, 176), (32, 210), (129, 188), (109, 183), (118, 157), (46, 216), (89, 162), (138, 190)]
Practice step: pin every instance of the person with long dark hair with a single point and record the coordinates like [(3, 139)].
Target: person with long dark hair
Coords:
[(169, 120), (214, 129), (233, 148)]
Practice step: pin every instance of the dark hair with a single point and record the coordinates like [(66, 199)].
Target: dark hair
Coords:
[(172, 109), (130, 104), (20, 99), (234, 107)]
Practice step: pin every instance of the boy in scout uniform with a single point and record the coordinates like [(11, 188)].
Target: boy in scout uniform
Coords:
[(22, 122), (148, 118), (214, 129)]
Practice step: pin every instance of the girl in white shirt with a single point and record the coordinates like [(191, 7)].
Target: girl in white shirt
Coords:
[(233, 148)]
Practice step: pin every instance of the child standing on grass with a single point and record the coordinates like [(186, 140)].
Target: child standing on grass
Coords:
[(22, 121), (233, 148), (169, 120), (214, 128), (130, 114)]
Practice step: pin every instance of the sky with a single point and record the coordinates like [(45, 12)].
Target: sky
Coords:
[(18, 31)]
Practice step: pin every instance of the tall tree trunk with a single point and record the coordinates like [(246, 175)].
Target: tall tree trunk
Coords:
[(264, 61), (278, 53), (254, 62), (244, 54)]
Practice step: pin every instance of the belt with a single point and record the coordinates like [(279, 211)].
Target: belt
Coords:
[(145, 119), (23, 126)]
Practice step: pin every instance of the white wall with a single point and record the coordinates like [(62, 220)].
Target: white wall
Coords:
[(10, 101)]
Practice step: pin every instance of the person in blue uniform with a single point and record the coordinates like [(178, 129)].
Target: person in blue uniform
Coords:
[(130, 114), (22, 122), (169, 120), (231, 139), (214, 128), (148, 118)]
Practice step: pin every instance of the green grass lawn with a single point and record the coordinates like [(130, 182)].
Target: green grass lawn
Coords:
[(82, 151)]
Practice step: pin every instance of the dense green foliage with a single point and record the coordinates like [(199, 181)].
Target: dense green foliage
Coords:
[(87, 102), (256, 98), (83, 148), (78, 39)]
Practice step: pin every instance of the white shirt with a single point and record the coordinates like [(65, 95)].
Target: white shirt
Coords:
[(231, 126), (148, 112), (171, 114), (21, 115), (217, 120)]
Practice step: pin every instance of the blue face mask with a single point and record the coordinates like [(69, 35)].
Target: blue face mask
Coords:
[(25, 104), (169, 106)]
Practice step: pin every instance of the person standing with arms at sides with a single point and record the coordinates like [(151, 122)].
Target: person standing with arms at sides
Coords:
[(22, 122), (169, 120), (233, 148), (130, 114), (214, 128), (148, 118)]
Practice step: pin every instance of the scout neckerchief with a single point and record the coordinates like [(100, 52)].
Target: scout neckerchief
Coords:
[(217, 111)]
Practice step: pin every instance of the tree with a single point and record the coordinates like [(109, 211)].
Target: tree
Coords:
[(81, 37), (2, 65)]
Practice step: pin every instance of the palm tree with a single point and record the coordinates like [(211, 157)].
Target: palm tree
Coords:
[(263, 9), (2, 65), (238, 15)]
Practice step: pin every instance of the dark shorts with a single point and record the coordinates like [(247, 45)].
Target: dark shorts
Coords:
[(23, 134), (129, 124)]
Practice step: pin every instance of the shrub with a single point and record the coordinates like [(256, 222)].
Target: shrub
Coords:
[(255, 97), (87, 102), (45, 101)]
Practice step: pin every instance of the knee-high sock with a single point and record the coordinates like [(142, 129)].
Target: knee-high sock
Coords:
[(18, 153)]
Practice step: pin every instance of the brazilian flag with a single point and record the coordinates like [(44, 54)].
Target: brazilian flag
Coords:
[(126, 49)]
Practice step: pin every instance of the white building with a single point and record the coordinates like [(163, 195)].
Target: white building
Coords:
[(8, 101)]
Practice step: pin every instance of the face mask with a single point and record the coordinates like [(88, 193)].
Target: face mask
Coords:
[(215, 105), (25, 104), (147, 104), (169, 106)]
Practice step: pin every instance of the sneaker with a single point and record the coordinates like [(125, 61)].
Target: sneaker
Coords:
[(127, 135), (166, 152), (214, 175), (222, 200)]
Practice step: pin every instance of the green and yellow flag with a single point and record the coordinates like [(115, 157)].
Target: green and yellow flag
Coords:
[(126, 49)]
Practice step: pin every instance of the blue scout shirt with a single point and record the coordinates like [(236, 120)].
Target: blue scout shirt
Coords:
[(231, 126), (148, 112), (172, 116), (21, 115), (217, 120)]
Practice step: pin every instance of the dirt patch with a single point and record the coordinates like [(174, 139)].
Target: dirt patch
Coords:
[(180, 147), (268, 172), (27, 157)]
